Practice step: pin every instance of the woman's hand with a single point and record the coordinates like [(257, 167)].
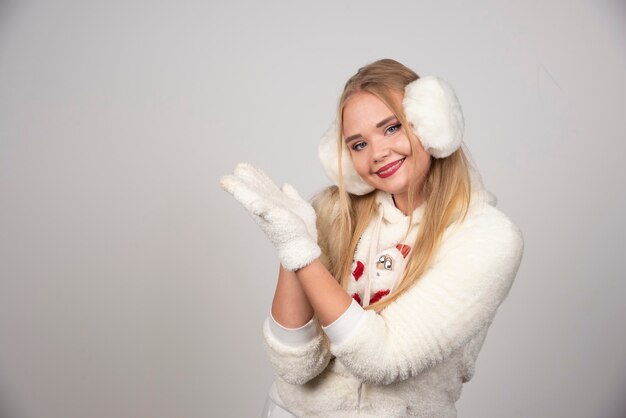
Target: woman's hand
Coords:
[(286, 218)]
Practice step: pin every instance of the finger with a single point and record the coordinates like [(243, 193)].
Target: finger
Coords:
[(291, 192), (254, 203), (261, 207), (278, 217), (239, 189), (256, 177)]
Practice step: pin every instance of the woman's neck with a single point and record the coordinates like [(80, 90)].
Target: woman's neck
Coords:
[(401, 201)]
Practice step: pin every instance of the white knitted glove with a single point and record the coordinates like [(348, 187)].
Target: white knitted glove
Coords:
[(286, 218)]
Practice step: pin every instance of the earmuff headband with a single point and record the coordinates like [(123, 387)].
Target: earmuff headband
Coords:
[(436, 118)]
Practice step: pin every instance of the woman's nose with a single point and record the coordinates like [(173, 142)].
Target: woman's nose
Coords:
[(380, 148)]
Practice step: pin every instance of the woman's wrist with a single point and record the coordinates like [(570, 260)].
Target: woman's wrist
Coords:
[(290, 306), (328, 299)]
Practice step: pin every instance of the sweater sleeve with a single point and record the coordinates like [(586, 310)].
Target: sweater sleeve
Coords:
[(297, 355), (449, 305)]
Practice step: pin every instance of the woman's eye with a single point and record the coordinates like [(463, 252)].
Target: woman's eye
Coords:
[(393, 129), (358, 146)]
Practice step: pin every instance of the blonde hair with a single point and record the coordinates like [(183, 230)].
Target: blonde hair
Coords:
[(343, 217)]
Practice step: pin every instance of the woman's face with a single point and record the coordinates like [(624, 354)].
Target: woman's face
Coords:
[(380, 150)]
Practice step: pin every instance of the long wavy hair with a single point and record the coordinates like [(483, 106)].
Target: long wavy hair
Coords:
[(445, 191)]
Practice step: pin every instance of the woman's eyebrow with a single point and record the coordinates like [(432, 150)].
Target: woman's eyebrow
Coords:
[(378, 125), (352, 138), (382, 122)]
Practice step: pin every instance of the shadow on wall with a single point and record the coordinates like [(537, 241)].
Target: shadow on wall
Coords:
[(619, 410), (8, 402)]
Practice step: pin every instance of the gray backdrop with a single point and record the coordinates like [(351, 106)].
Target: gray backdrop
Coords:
[(132, 286)]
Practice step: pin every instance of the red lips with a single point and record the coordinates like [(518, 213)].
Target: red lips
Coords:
[(390, 169)]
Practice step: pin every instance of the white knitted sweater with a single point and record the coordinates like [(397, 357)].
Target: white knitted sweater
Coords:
[(411, 359)]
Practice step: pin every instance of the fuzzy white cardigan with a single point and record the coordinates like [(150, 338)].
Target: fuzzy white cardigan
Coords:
[(411, 359)]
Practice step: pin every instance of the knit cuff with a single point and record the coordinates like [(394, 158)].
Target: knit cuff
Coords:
[(343, 327), (293, 337)]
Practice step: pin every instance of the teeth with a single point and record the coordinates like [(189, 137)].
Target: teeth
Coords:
[(391, 168)]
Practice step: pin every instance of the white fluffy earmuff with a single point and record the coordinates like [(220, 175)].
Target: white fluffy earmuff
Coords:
[(435, 115)]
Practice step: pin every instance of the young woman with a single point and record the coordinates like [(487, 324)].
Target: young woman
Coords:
[(390, 280)]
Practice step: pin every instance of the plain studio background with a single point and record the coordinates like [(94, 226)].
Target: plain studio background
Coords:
[(131, 285)]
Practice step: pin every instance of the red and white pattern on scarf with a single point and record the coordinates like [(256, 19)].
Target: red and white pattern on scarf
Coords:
[(389, 266)]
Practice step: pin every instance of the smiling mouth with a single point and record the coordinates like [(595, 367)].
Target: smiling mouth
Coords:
[(390, 169)]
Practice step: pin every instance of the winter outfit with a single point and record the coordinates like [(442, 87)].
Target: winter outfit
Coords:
[(411, 359)]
